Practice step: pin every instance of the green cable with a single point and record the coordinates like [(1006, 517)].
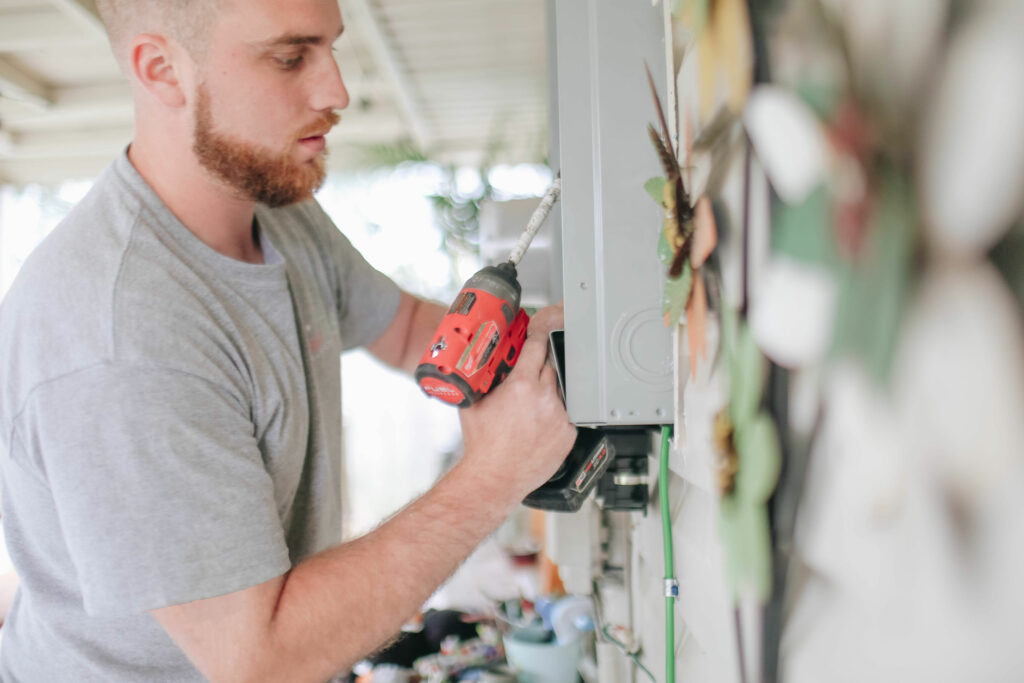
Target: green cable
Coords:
[(625, 650), (670, 573)]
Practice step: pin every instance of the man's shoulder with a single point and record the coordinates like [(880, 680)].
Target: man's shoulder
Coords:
[(55, 317)]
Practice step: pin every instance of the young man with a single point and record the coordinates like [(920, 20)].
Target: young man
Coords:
[(169, 408)]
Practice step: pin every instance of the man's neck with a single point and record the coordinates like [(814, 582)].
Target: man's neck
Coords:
[(203, 204)]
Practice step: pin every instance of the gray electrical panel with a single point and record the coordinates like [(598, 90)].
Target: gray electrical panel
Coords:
[(617, 348)]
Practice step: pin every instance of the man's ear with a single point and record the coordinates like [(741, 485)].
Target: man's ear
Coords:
[(153, 65)]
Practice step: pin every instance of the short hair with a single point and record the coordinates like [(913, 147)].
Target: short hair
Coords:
[(188, 22)]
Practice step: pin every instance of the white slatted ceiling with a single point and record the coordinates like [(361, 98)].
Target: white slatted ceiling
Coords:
[(470, 72)]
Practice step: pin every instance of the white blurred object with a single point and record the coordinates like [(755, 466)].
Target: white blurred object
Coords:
[(788, 140), (857, 481), (972, 156), (792, 312), (571, 617), (892, 578), (892, 44), (391, 673), (959, 378), (487, 575)]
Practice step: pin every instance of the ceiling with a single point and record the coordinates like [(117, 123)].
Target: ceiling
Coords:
[(451, 77)]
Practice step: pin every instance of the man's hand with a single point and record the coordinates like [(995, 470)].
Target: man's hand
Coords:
[(519, 433)]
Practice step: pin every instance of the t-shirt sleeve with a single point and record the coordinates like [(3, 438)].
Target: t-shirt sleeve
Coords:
[(367, 299), (159, 486)]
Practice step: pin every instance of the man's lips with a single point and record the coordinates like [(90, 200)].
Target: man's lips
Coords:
[(315, 143)]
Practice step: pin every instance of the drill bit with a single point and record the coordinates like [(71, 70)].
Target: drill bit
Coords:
[(539, 214)]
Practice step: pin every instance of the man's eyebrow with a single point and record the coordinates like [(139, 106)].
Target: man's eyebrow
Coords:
[(289, 39)]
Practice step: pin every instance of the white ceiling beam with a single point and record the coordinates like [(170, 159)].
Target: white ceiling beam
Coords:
[(65, 144), (16, 84), (384, 54), (74, 107), (85, 13), (6, 143), (34, 29), (46, 172)]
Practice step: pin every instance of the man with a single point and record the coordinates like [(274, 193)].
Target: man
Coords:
[(169, 409)]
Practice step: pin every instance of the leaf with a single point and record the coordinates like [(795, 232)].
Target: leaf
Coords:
[(677, 293), (730, 533), (760, 458), (755, 553), (746, 377), (696, 322), (665, 254), (655, 187), (821, 96), (805, 231), (705, 234), (746, 547), (874, 292)]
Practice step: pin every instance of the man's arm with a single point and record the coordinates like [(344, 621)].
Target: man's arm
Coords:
[(402, 344), (327, 612)]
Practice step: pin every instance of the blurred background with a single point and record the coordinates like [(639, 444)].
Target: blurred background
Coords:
[(864, 166)]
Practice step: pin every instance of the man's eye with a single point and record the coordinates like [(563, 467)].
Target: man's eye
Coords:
[(289, 63)]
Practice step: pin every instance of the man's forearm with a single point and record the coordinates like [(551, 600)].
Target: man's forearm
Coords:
[(343, 603), (426, 318), (403, 343)]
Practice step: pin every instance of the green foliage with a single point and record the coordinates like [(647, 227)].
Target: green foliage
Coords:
[(655, 187), (676, 294), (743, 518), (804, 231), (392, 154), (874, 283), (458, 215), (874, 289)]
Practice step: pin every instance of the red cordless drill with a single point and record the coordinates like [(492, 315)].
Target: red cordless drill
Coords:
[(479, 339)]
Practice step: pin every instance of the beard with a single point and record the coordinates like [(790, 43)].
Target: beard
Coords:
[(256, 173)]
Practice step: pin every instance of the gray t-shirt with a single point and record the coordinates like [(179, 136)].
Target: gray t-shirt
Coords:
[(170, 422)]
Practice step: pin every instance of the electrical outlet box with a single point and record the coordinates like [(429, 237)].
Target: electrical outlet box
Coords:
[(618, 349)]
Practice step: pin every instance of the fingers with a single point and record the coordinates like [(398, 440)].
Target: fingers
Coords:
[(532, 357), (535, 349), (547, 319)]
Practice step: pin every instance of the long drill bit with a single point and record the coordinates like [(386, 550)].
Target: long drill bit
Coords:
[(537, 219)]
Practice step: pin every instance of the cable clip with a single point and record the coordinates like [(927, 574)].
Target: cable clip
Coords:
[(671, 588)]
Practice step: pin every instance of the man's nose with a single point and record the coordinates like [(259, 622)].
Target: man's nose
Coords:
[(330, 91)]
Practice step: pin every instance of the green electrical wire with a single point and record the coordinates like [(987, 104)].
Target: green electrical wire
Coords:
[(670, 573), (625, 650)]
